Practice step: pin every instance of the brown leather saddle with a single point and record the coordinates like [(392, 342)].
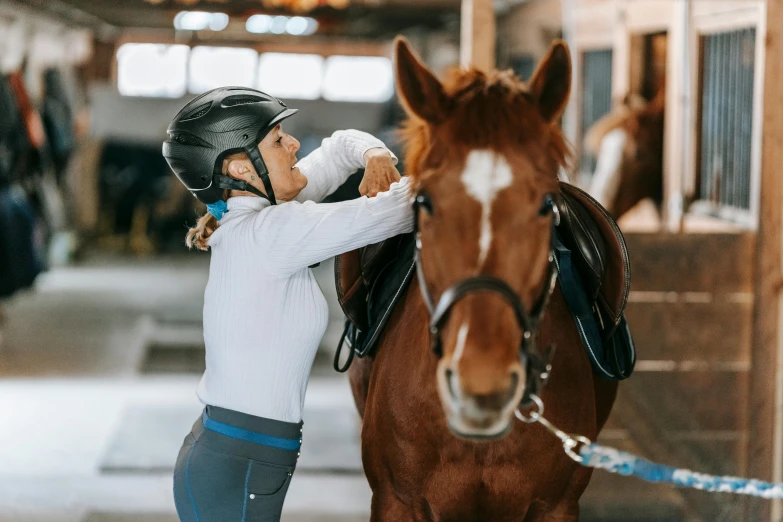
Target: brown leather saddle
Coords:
[(375, 276)]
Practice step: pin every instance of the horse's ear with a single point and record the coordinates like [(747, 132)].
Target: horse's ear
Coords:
[(420, 92), (551, 83)]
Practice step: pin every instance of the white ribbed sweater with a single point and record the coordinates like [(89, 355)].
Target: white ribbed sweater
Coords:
[(264, 313)]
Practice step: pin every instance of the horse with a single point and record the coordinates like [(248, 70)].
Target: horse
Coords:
[(439, 436), (628, 146)]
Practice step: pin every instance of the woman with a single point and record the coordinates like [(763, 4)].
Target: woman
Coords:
[(264, 314)]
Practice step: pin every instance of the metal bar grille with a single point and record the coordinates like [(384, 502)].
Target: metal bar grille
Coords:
[(596, 94), (728, 61)]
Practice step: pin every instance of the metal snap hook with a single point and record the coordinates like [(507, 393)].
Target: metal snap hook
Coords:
[(534, 416), (573, 442)]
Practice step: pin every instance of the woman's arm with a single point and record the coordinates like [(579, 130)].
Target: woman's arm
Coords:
[(296, 235), (339, 156)]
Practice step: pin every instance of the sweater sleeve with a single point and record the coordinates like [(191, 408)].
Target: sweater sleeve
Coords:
[(330, 165), (296, 235)]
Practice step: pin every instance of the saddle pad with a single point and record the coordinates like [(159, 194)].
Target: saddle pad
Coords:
[(612, 355)]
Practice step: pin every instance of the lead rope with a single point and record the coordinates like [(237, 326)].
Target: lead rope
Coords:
[(597, 456)]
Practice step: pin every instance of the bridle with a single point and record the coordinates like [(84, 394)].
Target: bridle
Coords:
[(537, 366)]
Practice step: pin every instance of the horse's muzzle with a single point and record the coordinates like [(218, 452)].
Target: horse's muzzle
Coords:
[(479, 416)]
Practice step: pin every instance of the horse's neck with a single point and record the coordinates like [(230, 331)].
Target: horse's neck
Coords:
[(608, 174)]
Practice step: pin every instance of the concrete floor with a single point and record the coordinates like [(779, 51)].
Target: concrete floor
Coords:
[(69, 371), (85, 436)]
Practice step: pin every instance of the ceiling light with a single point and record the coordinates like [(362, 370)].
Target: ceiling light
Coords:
[(279, 24), (192, 20), (200, 20), (258, 24), (218, 21), (296, 26), (312, 26)]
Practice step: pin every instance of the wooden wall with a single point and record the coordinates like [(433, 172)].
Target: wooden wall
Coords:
[(690, 312)]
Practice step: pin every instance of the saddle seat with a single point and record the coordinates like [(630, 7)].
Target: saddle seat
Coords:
[(370, 280)]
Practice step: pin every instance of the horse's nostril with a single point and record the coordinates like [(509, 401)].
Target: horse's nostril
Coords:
[(512, 389)]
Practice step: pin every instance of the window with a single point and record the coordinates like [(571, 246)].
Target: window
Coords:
[(291, 75), (172, 70), (152, 70), (596, 95), (212, 67), (726, 123), (358, 79)]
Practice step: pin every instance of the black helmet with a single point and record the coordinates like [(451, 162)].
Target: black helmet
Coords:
[(220, 122)]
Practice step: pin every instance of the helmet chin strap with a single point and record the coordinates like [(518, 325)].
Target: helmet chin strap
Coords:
[(258, 163), (259, 166)]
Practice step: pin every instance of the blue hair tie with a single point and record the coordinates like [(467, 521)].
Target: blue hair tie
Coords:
[(217, 209)]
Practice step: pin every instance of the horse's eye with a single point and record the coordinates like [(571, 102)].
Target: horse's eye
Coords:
[(546, 206), (424, 202), (549, 206)]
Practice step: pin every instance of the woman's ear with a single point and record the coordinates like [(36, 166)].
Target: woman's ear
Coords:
[(240, 169)]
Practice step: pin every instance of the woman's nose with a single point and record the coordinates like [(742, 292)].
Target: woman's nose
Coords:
[(293, 144)]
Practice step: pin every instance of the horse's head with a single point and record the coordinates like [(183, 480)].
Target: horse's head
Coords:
[(628, 144), (483, 150)]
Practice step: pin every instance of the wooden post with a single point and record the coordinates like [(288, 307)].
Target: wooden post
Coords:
[(477, 34), (765, 431)]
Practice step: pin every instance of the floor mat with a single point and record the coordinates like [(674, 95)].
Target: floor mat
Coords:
[(149, 438)]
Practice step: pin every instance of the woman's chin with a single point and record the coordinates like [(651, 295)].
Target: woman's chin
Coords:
[(300, 178)]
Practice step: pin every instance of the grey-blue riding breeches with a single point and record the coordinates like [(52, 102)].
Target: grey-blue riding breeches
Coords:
[(234, 467)]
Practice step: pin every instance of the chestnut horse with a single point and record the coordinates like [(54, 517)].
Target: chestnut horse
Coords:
[(628, 146), (439, 438)]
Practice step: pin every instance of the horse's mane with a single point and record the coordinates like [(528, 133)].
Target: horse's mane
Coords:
[(487, 110)]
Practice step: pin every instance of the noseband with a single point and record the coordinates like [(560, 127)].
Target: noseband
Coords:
[(537, 366)]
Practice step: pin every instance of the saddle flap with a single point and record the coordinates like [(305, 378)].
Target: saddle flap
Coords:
[(351, 290), (602, 247), (355, 273), (584, 239)]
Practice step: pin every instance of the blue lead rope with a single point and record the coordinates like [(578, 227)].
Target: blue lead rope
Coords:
[(622, 463), (615, 461), (249, 436)]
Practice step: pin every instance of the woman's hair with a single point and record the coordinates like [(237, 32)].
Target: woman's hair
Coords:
[(198, 236)]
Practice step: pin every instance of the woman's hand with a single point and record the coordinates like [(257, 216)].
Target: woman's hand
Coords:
[(379, 173)]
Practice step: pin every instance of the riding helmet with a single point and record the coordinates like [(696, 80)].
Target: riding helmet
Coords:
[(220, 122)]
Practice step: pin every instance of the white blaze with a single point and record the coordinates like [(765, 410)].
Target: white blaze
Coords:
[(607, 177), (485, 174), (462, 335)]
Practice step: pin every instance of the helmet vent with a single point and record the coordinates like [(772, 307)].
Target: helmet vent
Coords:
[(189, 139), (198, 112), (233, 101)]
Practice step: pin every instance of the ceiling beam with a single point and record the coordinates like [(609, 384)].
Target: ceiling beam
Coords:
[(477, 34), (69, 15)]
